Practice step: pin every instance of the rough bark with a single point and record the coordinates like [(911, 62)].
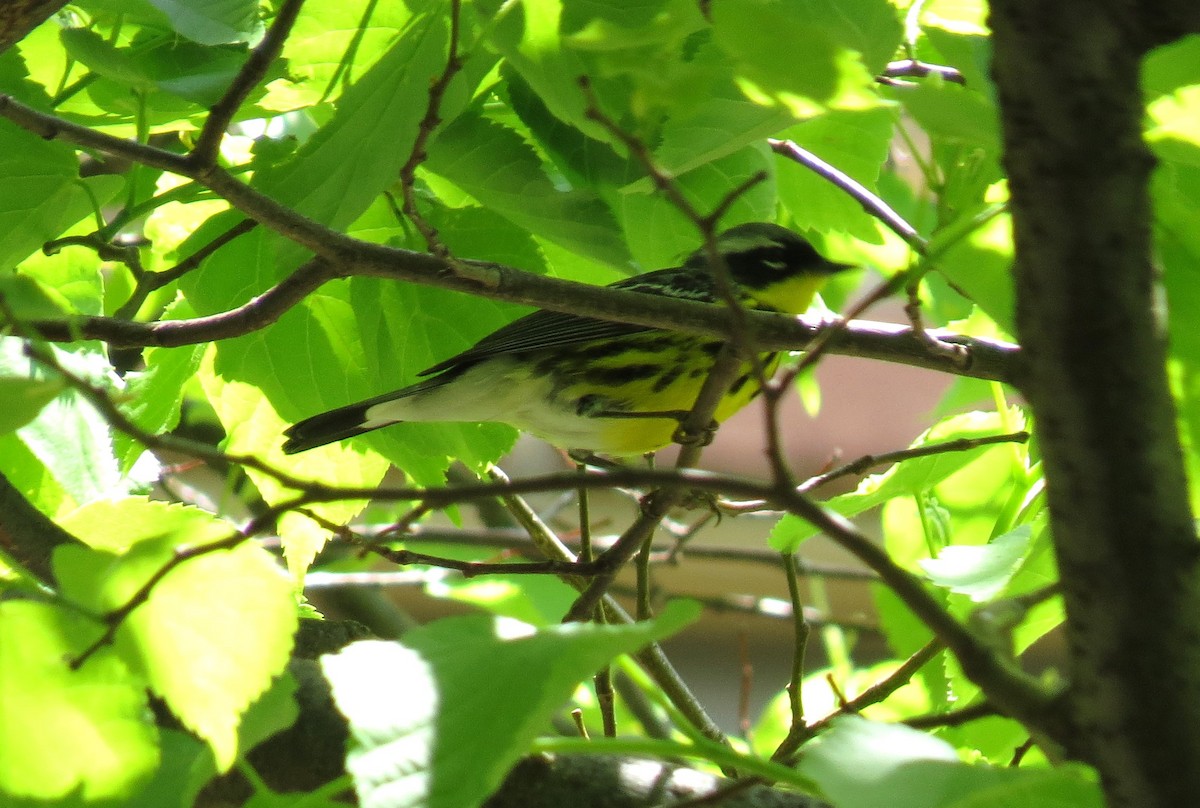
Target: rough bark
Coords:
[(1094, 373), (19, 17)]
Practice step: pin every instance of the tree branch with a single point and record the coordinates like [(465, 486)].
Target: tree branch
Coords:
[(208, 143), (1068, 80)]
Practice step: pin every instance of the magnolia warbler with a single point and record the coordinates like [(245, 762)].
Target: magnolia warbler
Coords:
[(591, 385)]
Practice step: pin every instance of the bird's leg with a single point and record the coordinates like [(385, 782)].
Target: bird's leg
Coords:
[(585, 520), (699, 437), (584, 458), (602, 680)]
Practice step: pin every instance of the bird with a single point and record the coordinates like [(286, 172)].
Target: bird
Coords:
[(592, 386)]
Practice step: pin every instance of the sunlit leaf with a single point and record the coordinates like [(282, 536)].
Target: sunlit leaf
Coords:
[(860, 764), (242, 631), (449, 742), (86, 731), (979, 571)]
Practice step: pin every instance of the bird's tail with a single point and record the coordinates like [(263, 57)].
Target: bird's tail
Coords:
[(365, 416), (335, 425)]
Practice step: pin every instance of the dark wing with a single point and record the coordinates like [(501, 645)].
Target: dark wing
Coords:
[(551, 329)]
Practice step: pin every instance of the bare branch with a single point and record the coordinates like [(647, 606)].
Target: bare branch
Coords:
[(425, 129), (912, 68), (348, 257), (870, 202), (208, 143)]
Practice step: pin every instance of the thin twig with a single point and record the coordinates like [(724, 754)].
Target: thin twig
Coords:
[(912, 309), (879, 691), (870, 202), (126, 254), (800, 631), (768, 607), (208, 143), (606, 700), (425, 129), (872, 695), (954, 718), (912, 68), (350, 256), (149, 282), (746, 684), (866, 462), (518, 540), (116, 618), (652, 658)]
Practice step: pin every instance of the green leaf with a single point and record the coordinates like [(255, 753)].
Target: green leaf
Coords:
[(332, 178), (527, 36), (1005, 624), (905, 635), (817, 54), (213, 22), (253, 427), (961, 38), (980, 265), (156, 394), (185, 767), (68, 435), (358, 154), (583, 160), (241, 637), (153, 63), (660, 234), (771, 61), (331, 46), (495, 166), (1171, 66), (188, 765), (197, 73), (861, 764), (87, 732), (30, 299), (450, 741), (107, 60), (857, 143), (534, 599), (40, 192), (721, 121), (980, 571), (30, 476), (72, 278), (22, 399), (952, 113)]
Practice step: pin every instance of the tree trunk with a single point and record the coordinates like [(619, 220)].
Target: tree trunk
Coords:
[(1095, 376)]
